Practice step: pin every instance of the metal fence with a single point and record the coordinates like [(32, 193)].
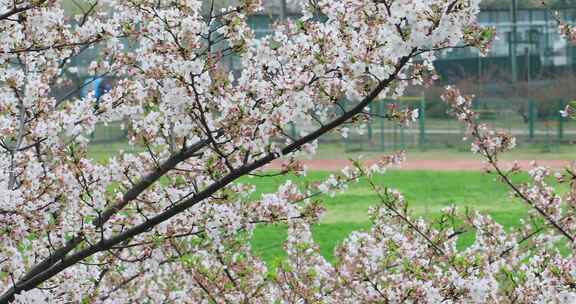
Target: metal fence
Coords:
[(531, 113), (533, 124)]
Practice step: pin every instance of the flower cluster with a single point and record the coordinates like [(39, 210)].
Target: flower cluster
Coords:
[(486, 142), (172, 221), (481, 37), (402, 116), (550, 217), (567, 31), (569, 112)]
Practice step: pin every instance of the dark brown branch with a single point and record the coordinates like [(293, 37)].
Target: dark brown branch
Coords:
[(106, 244), (148, 180), (32, 49), (18, 10), (492, 161)]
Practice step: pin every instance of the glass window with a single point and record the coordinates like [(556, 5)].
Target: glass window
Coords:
[(565, 14), (260, 24), (503, 17), (484, 17), (571, 14), (524, 16), (493, 16), (538, 15)]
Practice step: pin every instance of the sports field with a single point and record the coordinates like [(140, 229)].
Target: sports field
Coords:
[(426, 191), (430, 181)]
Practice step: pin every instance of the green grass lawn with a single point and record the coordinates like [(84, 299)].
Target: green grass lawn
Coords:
[(102, 152), (427, 193)]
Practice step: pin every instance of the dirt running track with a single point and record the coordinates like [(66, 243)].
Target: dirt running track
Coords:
[(420, 164)]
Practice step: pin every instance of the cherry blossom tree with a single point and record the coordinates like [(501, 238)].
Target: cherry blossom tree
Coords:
[(173, 223)]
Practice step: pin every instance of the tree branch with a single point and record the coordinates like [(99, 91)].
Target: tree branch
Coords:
[(106, 244), (18, 10)]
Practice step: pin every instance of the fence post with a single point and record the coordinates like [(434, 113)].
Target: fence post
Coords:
[(382, 109), (560, 123), (347, 138), (402, 139), (293, 129), (395, 136), (531, 118), (370, 142), (422, 123)]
